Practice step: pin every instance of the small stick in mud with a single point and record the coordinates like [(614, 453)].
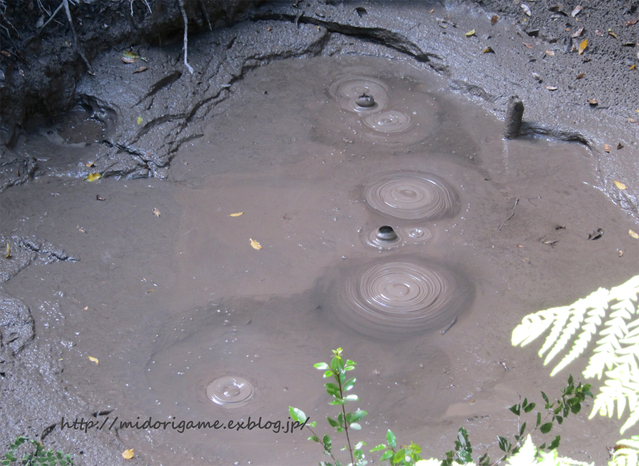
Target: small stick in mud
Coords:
[(449, 326), (512, 214), (514, 115)]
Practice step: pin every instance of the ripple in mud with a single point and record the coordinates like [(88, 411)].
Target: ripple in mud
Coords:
[(389, 122), (384, 239), (411, 196), (397, 297), (230, 392), (347, 90)]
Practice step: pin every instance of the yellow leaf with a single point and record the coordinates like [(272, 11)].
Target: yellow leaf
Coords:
[(633, 67), (8, 254), (156, 212), (92, 359), (130, 54), (582, 46), (93, 177), (612, 33), (236, 214), (633, 234), (255, 244), (128, 454), (488, 50), (140, 120), (470, 33), (620, 185)]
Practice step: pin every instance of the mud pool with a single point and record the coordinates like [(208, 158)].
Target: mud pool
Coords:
[(174, 304)]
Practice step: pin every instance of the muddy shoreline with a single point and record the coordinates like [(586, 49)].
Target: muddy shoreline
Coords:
[(145, 268)]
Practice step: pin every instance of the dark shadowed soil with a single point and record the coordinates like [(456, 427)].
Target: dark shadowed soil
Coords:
[(147, 270)]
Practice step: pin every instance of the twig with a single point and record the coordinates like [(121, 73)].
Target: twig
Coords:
[(75, 37), (512, 214), (449, 326), (52, 16), (186, 34)]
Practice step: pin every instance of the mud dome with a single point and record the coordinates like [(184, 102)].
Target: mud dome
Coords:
[(185, 315)]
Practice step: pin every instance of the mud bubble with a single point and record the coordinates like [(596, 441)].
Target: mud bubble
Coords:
[(230, 392), (411, 196), (387, 237), (398, 297), (350, 91)]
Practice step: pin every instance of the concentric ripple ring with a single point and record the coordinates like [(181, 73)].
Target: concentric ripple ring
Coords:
[(230, 392), (347, 89), (411, 196), (388, 122), (401, 297)]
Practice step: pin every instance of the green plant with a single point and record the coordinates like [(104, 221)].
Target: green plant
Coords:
[(570, 401), (39, 457)]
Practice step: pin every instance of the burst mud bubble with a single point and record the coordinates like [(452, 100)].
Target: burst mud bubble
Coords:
[(349, 90), (399, 297), (411, 196), (230, 392)]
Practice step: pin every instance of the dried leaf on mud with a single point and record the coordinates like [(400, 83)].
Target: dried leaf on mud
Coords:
[(236, 214), (581, 75), (156, 212), (128, 60), (526, 9), (606, 147), (129, 54), (631, 22), (633, 234), (494, 19), (593, 102), (578, 32), (550, 52), (488, 50), (633, 67), (139, 120), (620, 185), (95, 360), (470, 33), (141, 69), (530, 46), (552, 88), (93, 177), (255, 244), (89, 164), (619, 146), (576, 11), (128, 454), (610, 33), (8, 252), (583, 46)]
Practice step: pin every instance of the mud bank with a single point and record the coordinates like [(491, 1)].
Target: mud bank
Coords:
[(145, 270)]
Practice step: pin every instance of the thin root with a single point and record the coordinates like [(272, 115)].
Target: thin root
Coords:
[(186, 35)]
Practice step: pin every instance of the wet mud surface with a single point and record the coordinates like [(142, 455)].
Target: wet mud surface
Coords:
[(198, 314)]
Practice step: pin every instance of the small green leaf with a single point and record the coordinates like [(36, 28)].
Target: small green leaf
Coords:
[(529, 408), (355, 426), (523, 428), (399, 456), (387, 455), (326, 441), (503, 443), (515, 409), (351, 397), (545, 428), (538, 420), (328, 374), (297, 414), (350, 383), (321, 366), (555, 443), (390, 438), (379, 447), (333, 422), (314, 438), (543, 395)]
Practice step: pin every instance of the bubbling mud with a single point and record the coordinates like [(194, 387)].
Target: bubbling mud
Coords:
[(399, 296), (348, 91), (230, 392), (411, 196), (389, 122), (386, 237)]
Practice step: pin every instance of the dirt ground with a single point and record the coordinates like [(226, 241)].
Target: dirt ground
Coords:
[(146, 270)]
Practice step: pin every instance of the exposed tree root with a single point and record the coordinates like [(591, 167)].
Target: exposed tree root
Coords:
[(186, 35)]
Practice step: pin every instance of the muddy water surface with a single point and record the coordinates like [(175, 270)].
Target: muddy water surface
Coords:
[(199, 315)]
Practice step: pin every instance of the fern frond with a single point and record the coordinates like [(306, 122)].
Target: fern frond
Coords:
[(534, 325), (628, 454), (593, 320), (557, 327)]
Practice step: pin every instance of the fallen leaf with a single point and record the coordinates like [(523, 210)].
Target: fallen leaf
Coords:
[(8, 253), (576, 11), (237, 214), (89, 164), (550, 52), (530, 46), (581, 75), (606, 147), (494, 19), (631, 120), (633, 234), (470, 33), (128, 60), (140, 120), (551, 88), (99, 198), (269, 29), (619, 146), (255, 244), (593, 102), (578, 32), (633, 67), (128, 454), (598, 32), (156, 212), (81, 230), (141, 69), (620, 252), (631, 22), (488, 50), (583, 46), (620, 185), (129, 54), (92, 359), (526, 9), (610, 33), (6, 53), (93, 177)]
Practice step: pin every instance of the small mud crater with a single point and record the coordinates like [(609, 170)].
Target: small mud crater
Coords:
[(230, 392), (359, 94)]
